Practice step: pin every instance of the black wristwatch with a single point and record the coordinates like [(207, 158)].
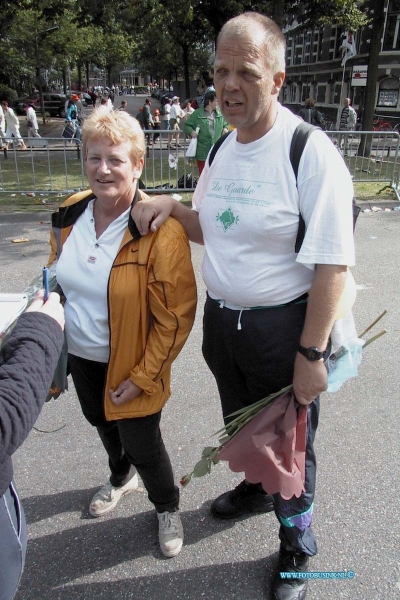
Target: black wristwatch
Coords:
[(311, 353)]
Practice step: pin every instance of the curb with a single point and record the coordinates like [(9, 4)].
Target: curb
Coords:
[(377, 204)]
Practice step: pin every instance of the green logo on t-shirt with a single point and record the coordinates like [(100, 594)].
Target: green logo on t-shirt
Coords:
[(227, 219)]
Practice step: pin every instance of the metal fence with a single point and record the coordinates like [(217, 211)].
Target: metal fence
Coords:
[(51, 166), (370, 156)]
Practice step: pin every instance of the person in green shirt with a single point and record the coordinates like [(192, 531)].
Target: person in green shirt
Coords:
[(211, 126)]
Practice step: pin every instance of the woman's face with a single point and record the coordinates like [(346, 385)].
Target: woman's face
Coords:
[(110, 171)]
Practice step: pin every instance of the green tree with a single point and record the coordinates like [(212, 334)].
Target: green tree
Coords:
[(173, 25)]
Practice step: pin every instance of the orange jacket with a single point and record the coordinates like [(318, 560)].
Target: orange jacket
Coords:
[(151, 304)]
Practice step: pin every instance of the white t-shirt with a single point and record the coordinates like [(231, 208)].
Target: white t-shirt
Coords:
[(2, 121), (31, 117), (248, 208), (167, 111), (176, 111), (83, 270)]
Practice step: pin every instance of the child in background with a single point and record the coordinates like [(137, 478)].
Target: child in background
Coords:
[(156, 124)]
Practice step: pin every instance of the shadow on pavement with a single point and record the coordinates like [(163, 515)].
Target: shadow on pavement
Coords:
[(56, 560), (249, 580)]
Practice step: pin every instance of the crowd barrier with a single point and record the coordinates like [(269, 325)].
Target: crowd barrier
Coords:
[(56, 166)]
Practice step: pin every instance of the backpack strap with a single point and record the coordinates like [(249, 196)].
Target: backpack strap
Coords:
[(299, 141), (216, 146)]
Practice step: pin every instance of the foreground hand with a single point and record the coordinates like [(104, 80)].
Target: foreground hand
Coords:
[(194, 134), (310, 379), (150, 215), (52, 307), (125, 392)]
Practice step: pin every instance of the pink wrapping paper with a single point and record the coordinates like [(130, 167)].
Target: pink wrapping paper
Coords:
[(270, 449)]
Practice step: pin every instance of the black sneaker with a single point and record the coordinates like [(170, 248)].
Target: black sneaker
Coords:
[(246, 498), (290, 561)]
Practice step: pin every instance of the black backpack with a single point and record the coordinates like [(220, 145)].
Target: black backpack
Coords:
[(298, 143), (188, 182)]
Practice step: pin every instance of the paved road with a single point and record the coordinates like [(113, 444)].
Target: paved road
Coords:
[(73, 557)]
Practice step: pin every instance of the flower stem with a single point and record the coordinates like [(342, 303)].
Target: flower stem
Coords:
[(372, 325)]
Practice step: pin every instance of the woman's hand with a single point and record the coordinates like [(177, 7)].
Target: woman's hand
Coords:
[(125, 392), (194, 134)]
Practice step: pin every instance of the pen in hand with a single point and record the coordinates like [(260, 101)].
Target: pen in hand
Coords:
[(46, 283)]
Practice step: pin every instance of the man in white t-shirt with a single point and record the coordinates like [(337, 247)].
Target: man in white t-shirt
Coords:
[(269, 311), (166, 120), (176, 115), (2, 126)]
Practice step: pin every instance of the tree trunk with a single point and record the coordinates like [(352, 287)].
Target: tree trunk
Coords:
[(79, 67), (185, 51), (278, 12), (378, 20), (64, 76)]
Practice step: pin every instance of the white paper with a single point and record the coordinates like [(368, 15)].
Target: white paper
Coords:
[(11, 306)]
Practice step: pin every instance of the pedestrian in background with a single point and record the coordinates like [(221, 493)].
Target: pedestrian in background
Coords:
[(156, 124), (2, 126), (166, 114), (12, 127), (347, 122), (211, 125), (72, 117), (311, 115), (147, 119), (31, 121), (27, 362), (176, 115), (187, 110)]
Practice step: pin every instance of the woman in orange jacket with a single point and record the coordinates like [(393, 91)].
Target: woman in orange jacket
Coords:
[(130, 305)]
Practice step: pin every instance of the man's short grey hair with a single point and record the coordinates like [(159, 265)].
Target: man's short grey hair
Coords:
[(274, 40)]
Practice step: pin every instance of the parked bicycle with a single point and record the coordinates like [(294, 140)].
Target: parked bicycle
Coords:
[(379, 124)]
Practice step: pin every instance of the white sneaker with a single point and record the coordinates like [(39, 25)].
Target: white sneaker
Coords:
[(170, 533), (108, 497)]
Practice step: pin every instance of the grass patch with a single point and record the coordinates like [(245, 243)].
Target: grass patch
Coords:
[(376, 190), (50, 177)]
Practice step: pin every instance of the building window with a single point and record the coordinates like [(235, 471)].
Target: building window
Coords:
[(391, 40), (320, 95), (388, 92), (305, 91)]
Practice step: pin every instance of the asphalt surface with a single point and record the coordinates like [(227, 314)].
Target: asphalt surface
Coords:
[(72, 556)]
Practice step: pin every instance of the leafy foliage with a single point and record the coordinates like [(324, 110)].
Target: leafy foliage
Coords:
[(162, 37)]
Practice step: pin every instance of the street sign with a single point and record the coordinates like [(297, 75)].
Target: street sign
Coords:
[(359, 77)]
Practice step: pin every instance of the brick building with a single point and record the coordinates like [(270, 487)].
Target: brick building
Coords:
[(314, 67)]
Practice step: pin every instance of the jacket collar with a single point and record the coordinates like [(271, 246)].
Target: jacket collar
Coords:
[(68, 215)]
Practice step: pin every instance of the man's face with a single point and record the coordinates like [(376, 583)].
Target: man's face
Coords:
[(246, 87)]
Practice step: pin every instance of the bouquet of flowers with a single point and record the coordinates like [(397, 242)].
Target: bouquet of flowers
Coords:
[(267, 440)]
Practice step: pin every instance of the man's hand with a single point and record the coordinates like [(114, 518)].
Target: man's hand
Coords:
[(125, 392), (310, 379), (150, 215)]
